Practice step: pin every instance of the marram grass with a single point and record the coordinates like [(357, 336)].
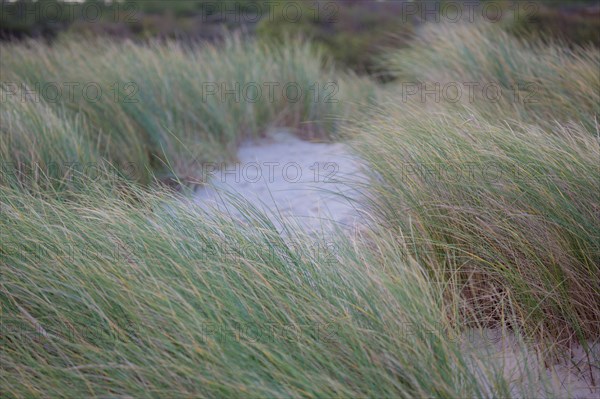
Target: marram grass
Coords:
[(501, 76), (107, 296), (501, 197), (169, 107), (488, 217), (512, 209)]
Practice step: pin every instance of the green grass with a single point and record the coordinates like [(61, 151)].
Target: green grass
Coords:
[(39, 139), (503, 198), (539, 84), (512, 212), (158, 114), (111, 288), (105, 297)]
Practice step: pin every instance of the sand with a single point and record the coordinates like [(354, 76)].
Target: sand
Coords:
[(307, 183), (569, 376)]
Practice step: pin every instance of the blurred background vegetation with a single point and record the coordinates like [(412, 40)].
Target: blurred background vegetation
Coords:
[(353, 32)]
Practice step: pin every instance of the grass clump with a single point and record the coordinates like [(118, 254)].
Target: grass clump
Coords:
[(488, 214), (171, 107), (104, 296), (512, 212), (502, 198), (511, 79), (47, 147)]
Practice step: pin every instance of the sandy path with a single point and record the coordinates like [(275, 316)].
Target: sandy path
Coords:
[(306, 183), (299, 180)]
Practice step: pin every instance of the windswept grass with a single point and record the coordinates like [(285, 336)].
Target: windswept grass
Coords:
[(488, 216), (529, 82), (45, 148), (503, 197), (164, 106), (513, 213), (103, 297)]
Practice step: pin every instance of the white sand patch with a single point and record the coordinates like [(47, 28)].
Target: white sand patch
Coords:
[(288, 177), (571, 376)]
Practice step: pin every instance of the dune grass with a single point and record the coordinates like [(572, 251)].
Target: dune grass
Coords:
[(28, 128), (488, 217), (511, 79), (105, 296), (168, 108), (512, 212), (501, 197)]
